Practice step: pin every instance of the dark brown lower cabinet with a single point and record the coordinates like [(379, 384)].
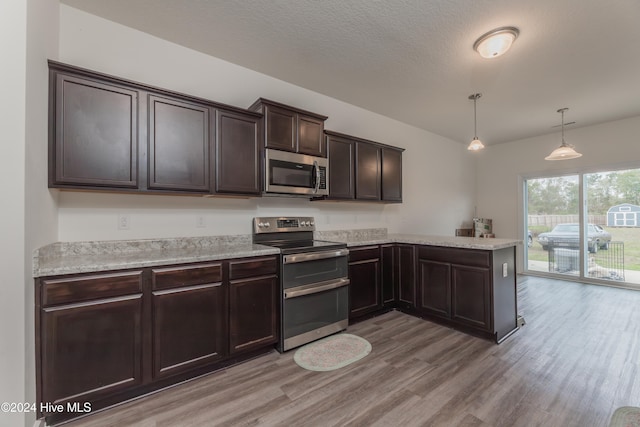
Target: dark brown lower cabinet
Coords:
[(189, 328), (91, 349), (102, 338), (405, 276), (365, 293), (389, 273), (398, 276), (90, 336), (470, 296), (474, 290), (435, 288), (253, 313)]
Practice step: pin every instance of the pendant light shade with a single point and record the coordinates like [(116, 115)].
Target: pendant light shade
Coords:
[(476, 144), (496, 42), (565, 151)]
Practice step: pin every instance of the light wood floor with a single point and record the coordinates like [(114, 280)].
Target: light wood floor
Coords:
[(576, 360)]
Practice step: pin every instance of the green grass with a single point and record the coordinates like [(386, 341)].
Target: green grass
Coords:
[(630, 237)]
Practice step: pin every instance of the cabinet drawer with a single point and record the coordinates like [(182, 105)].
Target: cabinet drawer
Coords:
[(175, 277), (252, 267), (89, 287), (363, 253), (469, 257)]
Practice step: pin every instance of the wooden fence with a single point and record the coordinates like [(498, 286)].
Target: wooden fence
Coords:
[(551, 220)]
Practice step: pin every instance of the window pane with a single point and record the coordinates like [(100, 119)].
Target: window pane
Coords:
[(553, 225), (613, 203)]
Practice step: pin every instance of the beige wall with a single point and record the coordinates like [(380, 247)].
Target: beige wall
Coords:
[(28, 36), (501, 168), (41, 216), (13, 19), (438, 196)]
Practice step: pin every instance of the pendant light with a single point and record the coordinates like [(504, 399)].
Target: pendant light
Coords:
[(565, 151), (476, 144), (496, 42)]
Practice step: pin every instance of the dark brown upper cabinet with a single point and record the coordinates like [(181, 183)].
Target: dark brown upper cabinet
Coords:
[(363, 170), (237, 155), (178, 145), (93, 135), (291, 129), (368, 171), (108, 133), (341, 153), (391, 174)]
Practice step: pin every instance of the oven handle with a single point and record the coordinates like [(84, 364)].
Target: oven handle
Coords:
[(312, 256), (315, 288)]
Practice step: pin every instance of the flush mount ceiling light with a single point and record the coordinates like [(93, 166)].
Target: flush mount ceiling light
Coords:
[(476, 144), (496, 42), (565, 151)]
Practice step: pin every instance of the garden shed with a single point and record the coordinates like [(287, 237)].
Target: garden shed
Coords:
[(624, 215)]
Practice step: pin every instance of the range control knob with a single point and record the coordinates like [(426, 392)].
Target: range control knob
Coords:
[(311, 223)]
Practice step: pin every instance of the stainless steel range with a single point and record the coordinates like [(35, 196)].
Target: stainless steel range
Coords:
[(314, 280)]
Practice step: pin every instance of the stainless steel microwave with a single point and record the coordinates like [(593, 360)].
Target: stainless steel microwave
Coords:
[(293, 173)]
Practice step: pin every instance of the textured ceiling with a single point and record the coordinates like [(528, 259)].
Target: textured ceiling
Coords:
[(412, 60)]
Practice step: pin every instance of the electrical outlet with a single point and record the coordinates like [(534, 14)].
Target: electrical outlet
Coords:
[(123, 222), (505, 270), (201, 222)]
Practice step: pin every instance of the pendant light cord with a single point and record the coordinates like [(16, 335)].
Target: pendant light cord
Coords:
[(475, 120), (561, 111)]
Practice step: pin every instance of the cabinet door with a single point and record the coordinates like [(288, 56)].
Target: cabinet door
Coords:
[(389, 270), (405, 261), (311, 136), (280, 128), (434, 288), (470, 287), (365, 287), (91, 349), (237, 160), (95, 142), (178, 145), (189, 328), (367, 171), (391, 175), (341, 153), (253, 313)]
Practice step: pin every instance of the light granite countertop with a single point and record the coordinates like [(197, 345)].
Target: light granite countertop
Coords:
[(84, 257), (379, 236)]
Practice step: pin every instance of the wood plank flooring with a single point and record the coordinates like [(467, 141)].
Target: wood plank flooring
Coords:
[(574, 362)]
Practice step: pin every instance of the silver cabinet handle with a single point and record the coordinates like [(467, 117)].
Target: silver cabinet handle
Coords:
[(314, 288), (312, 256)]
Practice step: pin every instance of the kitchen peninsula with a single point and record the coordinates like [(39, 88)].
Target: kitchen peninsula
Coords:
[(118, 319)]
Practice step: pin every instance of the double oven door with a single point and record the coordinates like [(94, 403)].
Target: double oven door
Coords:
[(315, 296)]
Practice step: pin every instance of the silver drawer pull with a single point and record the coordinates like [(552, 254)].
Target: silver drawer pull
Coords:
[(314, 288), (312, 256)]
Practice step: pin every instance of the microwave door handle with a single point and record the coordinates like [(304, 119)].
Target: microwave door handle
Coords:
[(316, 169)]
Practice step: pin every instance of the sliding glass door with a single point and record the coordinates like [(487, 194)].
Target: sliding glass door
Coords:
[(601, 243)]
